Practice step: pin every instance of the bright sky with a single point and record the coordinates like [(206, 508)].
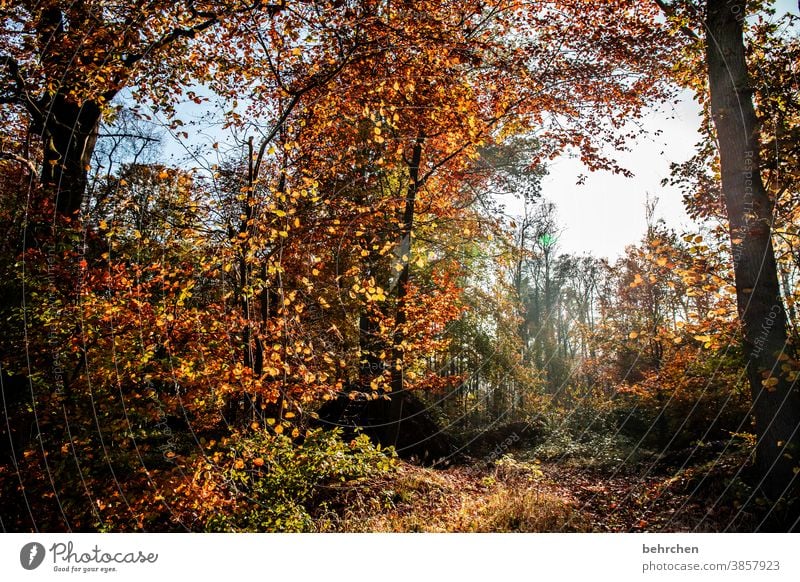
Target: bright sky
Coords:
[(606, 213)]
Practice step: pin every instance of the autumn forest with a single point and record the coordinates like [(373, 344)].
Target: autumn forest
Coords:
[(288, 267)]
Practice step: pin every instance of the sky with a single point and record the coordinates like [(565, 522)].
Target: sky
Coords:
[(606, 213)]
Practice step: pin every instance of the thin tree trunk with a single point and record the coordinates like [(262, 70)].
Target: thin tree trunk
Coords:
[(776, 405)]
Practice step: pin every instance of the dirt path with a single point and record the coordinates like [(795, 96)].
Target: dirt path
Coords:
[(527, 497)]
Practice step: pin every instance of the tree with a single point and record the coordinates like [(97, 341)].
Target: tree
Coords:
[(749, 211), (776, 401), (62, 64)]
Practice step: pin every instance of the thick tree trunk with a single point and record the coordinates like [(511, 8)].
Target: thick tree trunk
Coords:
[(776, 406), (398, 358), (69, 135)]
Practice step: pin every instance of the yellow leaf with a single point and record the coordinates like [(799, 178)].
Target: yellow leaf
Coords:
[(633, 335), (279, 429)]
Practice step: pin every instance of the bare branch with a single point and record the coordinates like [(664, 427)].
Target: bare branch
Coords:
[(128, 135), (21, 95), (10, 156)]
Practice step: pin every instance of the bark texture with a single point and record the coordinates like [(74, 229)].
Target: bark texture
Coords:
[(776, 406)]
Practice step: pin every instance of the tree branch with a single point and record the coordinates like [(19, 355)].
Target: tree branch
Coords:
[(669, 12), (128, 135), (21, 96), (169, 38), (12, 157), (211, 18), (281, 120)]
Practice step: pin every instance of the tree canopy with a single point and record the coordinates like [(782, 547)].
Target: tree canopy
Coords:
[(331, 274)]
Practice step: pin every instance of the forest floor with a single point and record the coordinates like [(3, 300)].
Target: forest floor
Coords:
[(550, 496)]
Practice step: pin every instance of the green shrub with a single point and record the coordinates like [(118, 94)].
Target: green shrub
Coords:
[(274, 480)]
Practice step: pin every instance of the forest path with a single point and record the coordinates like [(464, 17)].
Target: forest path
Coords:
[(625, 501), (552, 496)]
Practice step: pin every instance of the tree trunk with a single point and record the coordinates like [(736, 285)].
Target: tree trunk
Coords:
[(398, 358), (776, 406), (370, 365), (69, 135)]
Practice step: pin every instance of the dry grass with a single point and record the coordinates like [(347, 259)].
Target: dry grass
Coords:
[(514, 510), (416, 499)]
